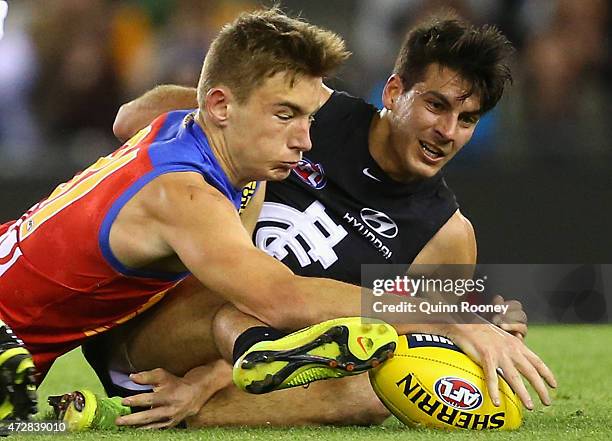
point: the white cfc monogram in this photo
(313, 226)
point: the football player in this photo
(114, 240)
(388, 163)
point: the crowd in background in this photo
(67, 65)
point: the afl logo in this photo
(310, 173)
(379, 222)
(458, 393)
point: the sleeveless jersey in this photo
(338, 209)
(59, 279)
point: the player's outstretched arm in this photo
(202, 227)
(493, 348)
(197, 223)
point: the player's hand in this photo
(174, 398)
(514, 320)
(493, 348)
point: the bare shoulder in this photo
(171, 204)
(181, 194)
(455, 242)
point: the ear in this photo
(393, 89)
(218, 100)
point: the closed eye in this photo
(435, 105)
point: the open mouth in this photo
(430, 152)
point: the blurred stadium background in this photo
(536, 179)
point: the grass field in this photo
(580, 356)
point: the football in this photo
(430, 383)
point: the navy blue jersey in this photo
(338, 209)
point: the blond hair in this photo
(259, 44)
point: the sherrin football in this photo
(430, 382)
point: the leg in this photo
(342, 402)
(193, 327)
(176, 334)
(179, 333)
(346, 401)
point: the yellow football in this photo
(430, 382)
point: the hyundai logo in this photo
(379, 222)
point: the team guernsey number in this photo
(63, 196)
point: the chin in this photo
(278, 174)
(421, 170)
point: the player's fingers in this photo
(149, 399)
(497, 300)
(517, 329)
(513, 378)
(489, 368)
(516, 315)
(532, 375)
(514, 305)
(160, 425)
(541, 367)
(154, 376)
(154, 415)
(497, 319)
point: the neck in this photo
(218, 145)
(380, 145)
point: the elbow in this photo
(121, 126)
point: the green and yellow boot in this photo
(17, 378)
(82, 410)
(332, 349)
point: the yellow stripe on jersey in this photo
(73, 190)
(152, 301)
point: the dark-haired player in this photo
(370, 191)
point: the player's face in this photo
(430, 123)
(271, 129)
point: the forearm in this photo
(313, 300)
(208, 379)
(138, 113)
(200, 376)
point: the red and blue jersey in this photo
(59, 279)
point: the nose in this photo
(445, 128)
(300, 138)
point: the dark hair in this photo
(262, 43)
(479, 54)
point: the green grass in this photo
(580, 356)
